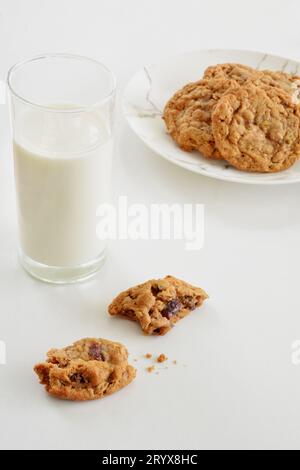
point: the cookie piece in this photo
(243, 74)
(257, 129)
(158, 304)
(89, 369)
(162, 358)
(187, 115)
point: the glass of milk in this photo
(62, 115)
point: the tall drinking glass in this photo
(62, 114)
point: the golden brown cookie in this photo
(257, 128)
(238, 72)
(289, 83)
(158, 304)
(89, 369)
(243, 74)
(187, 115)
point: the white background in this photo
(235, 385)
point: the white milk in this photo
(62, 169)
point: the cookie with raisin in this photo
(158, 304)
(87, 370)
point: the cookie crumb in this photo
(148, 356)
(162, 358)
(175, 362)
(150, 369)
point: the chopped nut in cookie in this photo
(158, 304)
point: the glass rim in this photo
(78, 109)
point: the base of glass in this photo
(62, 275)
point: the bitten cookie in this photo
(187, 115)
(88, 369)
(257, 128)
(158, 304)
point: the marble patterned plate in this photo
(150, 88)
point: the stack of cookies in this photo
(247, 117)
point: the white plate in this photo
(150, 88)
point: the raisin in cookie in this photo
(87, 370)
(187, 115)
(257, 128)
(158, 304)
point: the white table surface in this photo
(234, 385)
